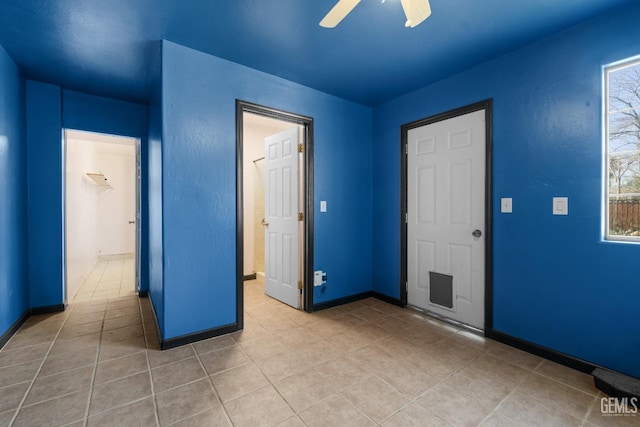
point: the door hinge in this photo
(300, 216)
(300, 148)
(406, 217)
(406, 148)
(300, 285)
(406, 287)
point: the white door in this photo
(446, 209)
(281, 217)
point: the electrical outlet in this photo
(506, 205)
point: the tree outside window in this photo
(623, 150)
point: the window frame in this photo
(607, 70)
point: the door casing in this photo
(307, 253)
(487, 106)
(138, 207)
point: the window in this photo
(622, 145)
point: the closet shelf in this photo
(99, 179)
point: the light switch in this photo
(323, 205)
(561, 206)
(506, 205)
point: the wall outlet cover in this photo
(506, 205)
(561, 206)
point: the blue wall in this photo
(49, 110)
(14, 295)
(556, 282)
(199, 189)
(154, 175)
(44, 169)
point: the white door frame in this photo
(307, 201)
(138, 205)
(488, 234)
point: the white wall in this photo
(97, 217)
(117, 206)
(256, 129)
(81, 215)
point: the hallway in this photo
(364, 363)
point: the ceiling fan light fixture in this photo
(416, 11)
(338, 13)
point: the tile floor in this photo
(108, 279)
(362, 364)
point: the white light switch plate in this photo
(561, 206)
(323, 205)
(506, 205)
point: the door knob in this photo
(132, 222)
(476, 233)
(265, 223)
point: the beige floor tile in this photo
(498, 420)
(292, 422)
(77, 380)
(71, 331)
(568, 376)
(159, 358)
(119, 392)
(213, 344)
(480, 387)
(185, 401)
(11, 396)
(552, 393)
(59, 411)
(121, 348)
(119, 368)
(499, 370)
(121, 322)
(515, 357)
(282, 365)
(23, 355)
(238, 381)
(335, 411)
(375, 398)
(414, 415)
(263, 348)
(522, 408)
(140, 413)
(176, 374)
(212, 417)
(286, 368)
(262, 407)
(223, 359)
(427, 363)
(342, 373)
(15, 374)
(6, 417)
(304, 390)
(73, 345)
(454, 408)
(407, 379)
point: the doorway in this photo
(101, 216)
(446, 215)
(274, 204)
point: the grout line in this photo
(93, 375)
(146, 352)
(33, 380)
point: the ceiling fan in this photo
(415, 10)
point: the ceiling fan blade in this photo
(338, 12)
(416, 11)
